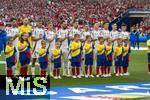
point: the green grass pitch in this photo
(137, 69)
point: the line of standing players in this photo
(78, 52)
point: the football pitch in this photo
(137, 83)
(137, 69)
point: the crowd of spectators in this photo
(56, 10)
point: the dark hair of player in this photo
(100, 38)
(123, 25)
(106, 23)
(10, 39)
(76, 35)
(88, 36)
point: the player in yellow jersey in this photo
(10, 51)
(88, 56)
(118, 58)
(148, 54)
(25, 28)
(109, 53)
(43, 59)
(57, 60)
(100, 57)
(75, 48)
(24, 54)
(125, 61)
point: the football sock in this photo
(120, 70)
(97, 70)
(58, 72)
(43, 73)
(54, 72)
(108, 70)
(148, 67)
(78, 70)
(86, 70)
(9, 72)
(73, 71)
(90, 70)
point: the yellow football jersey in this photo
(22, 45)
(9, 51)
(75, 48)
(56, 53)
(125, 50)
(26, 29)
(118, 51)
(88, 46)
(42, 51)
(148, 44)
(100, 49)
(108, 49)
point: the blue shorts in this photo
(88, 61)
(100, 62)
(10, 64)
(108, 63)
(75, 64)
(148, 55)
(43, 65)
(125, 63)
(118, 63)
(24, 58)
(76, 58)
(57, 65)
(10, 61)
